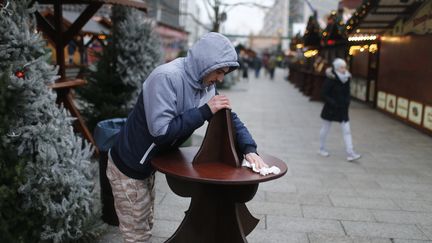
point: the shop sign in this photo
(427, 120)
(381, 101)
(415, 112)
(402, 107)
(391, 103)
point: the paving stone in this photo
(164, 228)
(173, 199)
(274, 208)
(328, 238)
(391, 216)
(386, 193)
(414, 205)
(337, 213)
(298, 198)
(411, 241)
(427, 229)
(302, 225)
(384, 230)
(269, 236)
(361, 202)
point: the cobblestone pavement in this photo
(384, 197)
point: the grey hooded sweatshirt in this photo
(172, 105)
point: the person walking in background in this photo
(336, 95)
(257, 66)
(272, 66)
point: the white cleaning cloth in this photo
(263, 171)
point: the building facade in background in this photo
(288, 17)
(167, 15)
(276, 21)
(195, 30)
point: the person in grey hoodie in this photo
(176, 99)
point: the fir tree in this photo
(17, 224)
(104, 96)
(56, 180)
(138, 47)
(114, 83)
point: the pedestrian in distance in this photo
(257, 66)
(272, 66)
(336, 95)
(176, 99)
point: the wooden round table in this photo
(217, 212)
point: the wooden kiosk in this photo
(219, 187)
(60, 37)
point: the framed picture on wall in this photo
(381, 101)
(427, 120)
(361, 89)
(372, 90)
(415, 112)
(353, 86)
(391, 103)
(402, 107)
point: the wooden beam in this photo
(67, 100)
(377, 21)
(374, 27)
(392, 6)
(59, 42)
(397, 14)
(68, 84)
(81, 21)
(45, 26)
(134, 4)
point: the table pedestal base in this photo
(217, 213)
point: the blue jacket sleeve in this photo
(245, 142)
(163, 121)
(184, 125)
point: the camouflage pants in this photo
(134, 204)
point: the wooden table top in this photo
(179, 164)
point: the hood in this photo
(211, 52)
(330, 73)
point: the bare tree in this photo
(216, 10)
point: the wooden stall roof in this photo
(61, 36)
(69, 17)
(379, 16)
(130, 3)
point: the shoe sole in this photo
(354, 159)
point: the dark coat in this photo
(336, 96)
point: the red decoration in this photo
(20, 74)
(331, 42)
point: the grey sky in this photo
(241, 19)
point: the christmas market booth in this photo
(390, 58)
(302, 71)
(333, 44)
(63, 28)
(60, 37)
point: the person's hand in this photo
(254, 158)
(218, 102)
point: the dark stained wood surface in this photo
(406, 67)
(68, 84)
(179, 164)
(217, 213)
(219, 141)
